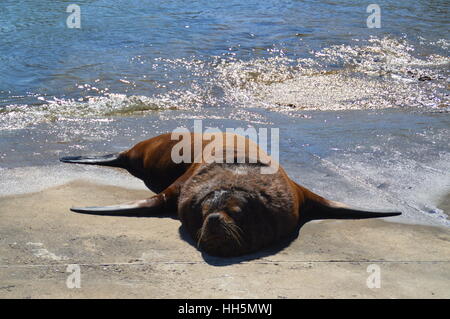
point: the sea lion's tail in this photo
(114, 160)
(317, 207)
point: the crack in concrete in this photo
(253, 262)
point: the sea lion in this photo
(229, 208)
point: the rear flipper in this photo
(155, 204)
(327, 209)
(317, 207)
(114, 160)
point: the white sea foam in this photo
(374, 74)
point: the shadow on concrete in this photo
(227, 261)
(214, 260)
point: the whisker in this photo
(233, 231)
(199, 236)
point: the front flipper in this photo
(166, 201)
(142, 207)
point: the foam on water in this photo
(373, 74)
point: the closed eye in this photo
(235, 210)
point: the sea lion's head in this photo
(232, 210)
(230, 223)
(233, 222)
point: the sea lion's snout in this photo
(220, 236)
(213, 225)
(215, 219)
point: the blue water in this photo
(364, 114)
(131, 40)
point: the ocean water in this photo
(363, 112)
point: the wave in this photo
(369, 74)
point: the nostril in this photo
(214, 217)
